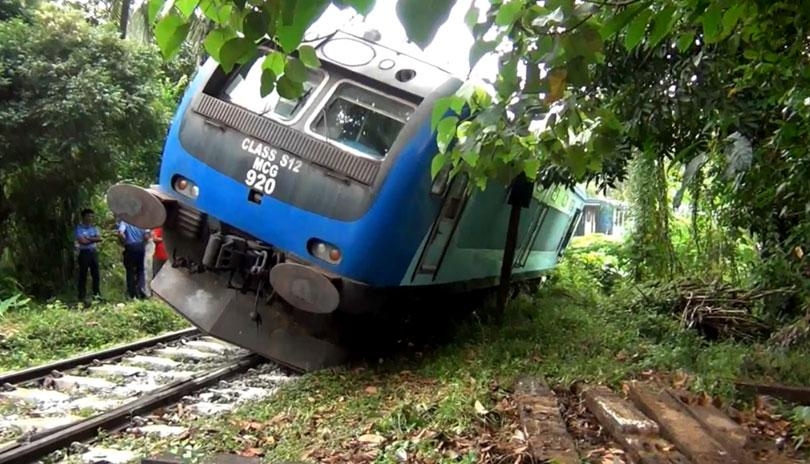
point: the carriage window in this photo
(360, 119)
(243, 89)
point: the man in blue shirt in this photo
(87, 236)
(134, 240)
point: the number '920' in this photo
(262, 175)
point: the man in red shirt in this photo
(160, 256)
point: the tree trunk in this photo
(122, 26)
(5, 215)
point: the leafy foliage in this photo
(76, 104)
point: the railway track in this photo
(49, 407)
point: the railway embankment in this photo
(462, 401)
(592, 349)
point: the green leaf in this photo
(422, 21)
(289, 89)
(437, 164)
(215, 11)
(479, 49)
(471, 18)
(595, 163)
(750, 54)
(297, 16)
(531, 167)
(731, 17)
(274, 61)
(604, 145)
(463, 129)
(508, 13)
(446, 131)
(457, 104)
(235, 51)
(470, 157)
(153, 8)
(307, 56)
(685, 41)
(295, 70)
(361, 6)
(186, 7)
(584, 41)
(619, 21)
(482, 98)
(440, 109)
(636, 29)
(576, 161)
(254, 26)
(663, 22)
(268, 82)
(170, 33)
(508, 77)
(215, 39)
(557, 16)
(577, 72)
(711, 22)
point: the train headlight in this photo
(324, 251)
(186, 187)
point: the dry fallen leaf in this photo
(251, 452)
(480, 409)
(680, 379)
(371, 438)
(278, 418)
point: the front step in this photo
(654, 425)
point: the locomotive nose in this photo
(136, 205)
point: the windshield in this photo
(361, 119)
(243, 89)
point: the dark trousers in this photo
(133, 264)
(156, 265)
(88, 259)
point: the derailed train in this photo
(283, 218)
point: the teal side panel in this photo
(475, 250)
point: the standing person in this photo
(148, 256)
(134, 240)
(161, 256)
(87, 236)
(155, 257)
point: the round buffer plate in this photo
(304, 288)
(136, 206)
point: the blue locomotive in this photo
(284, 217)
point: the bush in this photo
(591, 262)
(79, 107)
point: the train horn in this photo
(136, 206)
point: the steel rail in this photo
(121, 416)
(43, 370)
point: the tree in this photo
(717, 86)
(76, 104)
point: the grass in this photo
(38, 333)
